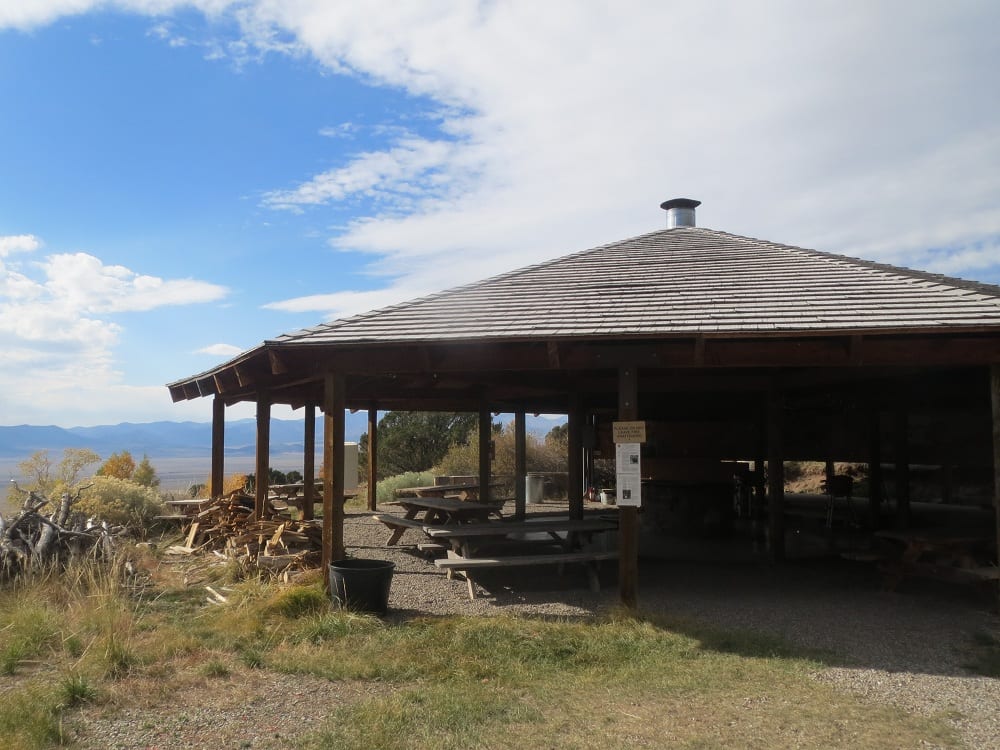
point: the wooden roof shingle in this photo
(681, 281)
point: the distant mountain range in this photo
(166, 439)
(181, 439)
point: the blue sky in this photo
(181, 180)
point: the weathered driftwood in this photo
(31, 540)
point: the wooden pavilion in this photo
(735, 348)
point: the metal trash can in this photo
(534, 488)
(361, 584)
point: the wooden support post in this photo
(775, 475)
(628, 517)
(902, 441)
(995, 400)
(333, 472)
(372, 457)
(263, 465)
(520, 463)
(309, 464)
(574, 483)
(874, 468)
(485, 441)
(218, 478)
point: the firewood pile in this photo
(275, 543)
(33, 539)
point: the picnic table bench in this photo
(566, 532)
(437, 511)
(455, 561)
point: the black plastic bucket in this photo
(361, 584)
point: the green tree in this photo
(119, 465)
(416, 440)
(145, 474)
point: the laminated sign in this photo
(628, 474)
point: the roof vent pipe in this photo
(680, 212)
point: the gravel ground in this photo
(906, 649)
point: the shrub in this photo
(119, 501)
(386, 488)
(548, 455)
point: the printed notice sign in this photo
(628, 432)
(628, 474)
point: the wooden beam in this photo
(874, 466)
(263, 464)
(333, 472)
(775, 474)
(485, 440)
(309, 464)
(995, 403)
(574, 483)
(218, 477)
(628, 517)
(243, 376)
(552, 347)
(278, 365)
(372, 457)
(520, 463)
(901, 438)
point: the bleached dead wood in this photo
(31, 540)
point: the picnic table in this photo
(947, 554)
(294, 494)
(435, 511)
(464, 491)
(568, 534)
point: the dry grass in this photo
(93, 638)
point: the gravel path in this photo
(906, 649)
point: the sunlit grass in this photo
(454, 682)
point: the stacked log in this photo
(32, 539)
(274, 543)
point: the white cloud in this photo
(414, 168)
(58, 333)
(18, 243)
(220, 350)
(865, 130)
(343, 130)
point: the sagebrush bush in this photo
(119, 501)
(385, 489)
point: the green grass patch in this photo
(433, 715)
(30, 718)
(444, 682)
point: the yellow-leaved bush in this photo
(119, 502)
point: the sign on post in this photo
(629, 437)
(629, 432)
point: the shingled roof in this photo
(688, 296)
(681, 281)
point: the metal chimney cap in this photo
(680, 212)
(679, 203)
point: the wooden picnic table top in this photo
(446, 504)
(436, 490)
(504, 528)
